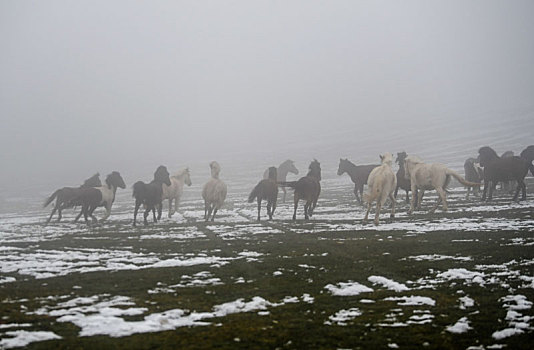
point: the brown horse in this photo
(528, 155)
(151, 194)
(307, 188)
(402, 182)
(66, 195)
(503, 169)
(358, 174)
(266, 189)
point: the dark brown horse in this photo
(266, 189)
(358, 174)
(151, 194)
(94, 197)
(402, 182)
(502, 169)
(307, 188)
(66, 195)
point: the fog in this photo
(122, 85)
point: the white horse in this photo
(435, 176)
(381, 186)
(213, 193)
(176, 189)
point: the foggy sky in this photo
(91, 86)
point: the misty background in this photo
(91, 86)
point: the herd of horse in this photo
(413, 176)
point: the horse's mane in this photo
(286, 163)
(486, 150)
(348, 161)
(180, 173)
(413, 159)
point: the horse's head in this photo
(272, 173)
(386, 158)
(528, 153)
(93, 181)
(315, 169)
(485, 155)
(400, 157)
(162, 175)
(292, 168)
(343, 166)
(215, 169)
(187, 177)
(115, 179)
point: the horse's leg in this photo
(269, 209)
(160, 209)
(306, 209)
(214, 212)
(367, 213)
(356, 193)
(59, 214)
(524, 190)
(145, 215)
(53, 212)
(259, 207)
(396, 191)
(412, 203)
(519, 187)
(393, 203)
(490, 194)
(284, 197)
(154, 214)
(443, 196)
(108, 212)
(377, 212)
(407, 197)
(296, 203)
(137, 205)
(419, 200)
(210, 210)
(90, 211)
(171, 211)
(485, 190)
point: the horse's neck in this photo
(351, 170)
(282, 173)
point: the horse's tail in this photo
(138, 188)
(51, 198)
(461, 179)
(255, 193)
(374, 190)
(291, 184)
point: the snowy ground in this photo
(464, 279)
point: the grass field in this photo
(448, 280)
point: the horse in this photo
(503, 169)
(151, 194)
(382, 183)
(358, 174)
(428, 177)
(213, 192)
(66, 195)
(266, 189)
(283, 169)
(176, 189)
(528, 155)
(307, 188)
(473, 173)
(402, 182)
(506, 185)
(91, 198)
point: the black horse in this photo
(307, 188)
(473, 173)
(66, 196)
(502, 169)
(92, 198)
(528, 155)
(266, 189)
(151, 194)
(358, 174)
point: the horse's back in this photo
(308, 187)
(504, 169)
